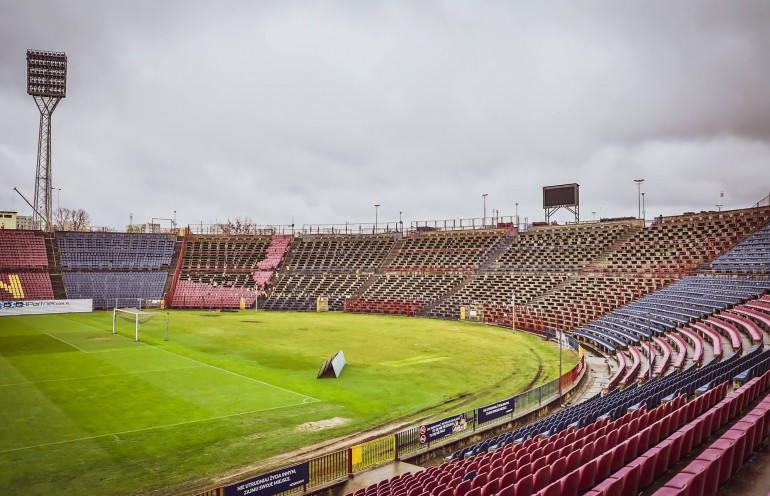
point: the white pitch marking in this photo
(148, 428)
(97, 376)
(66, 342)
(236, 374)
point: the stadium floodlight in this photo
(47, 84)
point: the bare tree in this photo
(239, 225)
(80, 219)
(65, 219)
(60, 218)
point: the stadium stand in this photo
(339, 253)
(460, 251)
(25, 286)
(560, 248)
(626, 440)
(24, 266)
(108, 267)
(22, 250)
(402, 294)
(219, 271)
(751, 255)
(105, 288)
(114, 251)
(300, 291)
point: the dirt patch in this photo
(322, 424)
(252, 321)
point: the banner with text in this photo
(443, 428)
(273, 483)
(495, 410)
(40, 307)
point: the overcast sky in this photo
(322, 109)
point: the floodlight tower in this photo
(47, 84)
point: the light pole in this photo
(376, 209)
(639, 191)
(644, 211)
(484, 219)
(400, 223)
(517, 215)
(558, 335)
(513, 311)
(593, 212)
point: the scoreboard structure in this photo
(565, 196)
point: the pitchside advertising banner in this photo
(40, 307)
(443, 428)
(495, 410)
(273, 483)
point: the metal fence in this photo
(339, 465)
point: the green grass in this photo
(83, 409)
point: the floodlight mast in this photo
(47, 84)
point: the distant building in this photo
(25, 222)
(7, 220)
(144, 228)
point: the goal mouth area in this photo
(134, 314)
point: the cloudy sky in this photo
(319, 110)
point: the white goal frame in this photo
(137, 314)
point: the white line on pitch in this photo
(144, 429)
(100, 375)
(229, 371)
(66, 342)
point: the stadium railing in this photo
(338, 465)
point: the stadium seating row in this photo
(22, 250)
(114, 251)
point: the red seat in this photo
(610, 487)
(586, 454)
(507, 479)
(479, 481)
(630, 477)
(541, 478)
(587, 476)
(553, 489)
(739, 438)
(654, 434)
(524, 486)
(675, 452)
(573, 461)
(709, 462)
(661, 463)
(646, 469)
(490, 488)
(725, 450)
(558, 469)
(604, 466)
(524, 471)
(506, 491)
(538, 464)
(643, 440)
(688, 435)
(462, 488)
(569, 484)
(631, 449)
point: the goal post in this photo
(137, 317)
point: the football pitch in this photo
(84, 410)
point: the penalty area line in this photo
(145, 429)
(233, 373)
(152, 371)
(66, 342)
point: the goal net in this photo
(134, 315)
